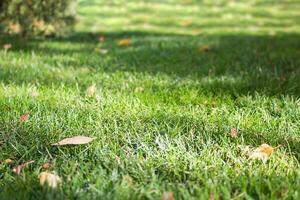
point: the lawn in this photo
(165, 101)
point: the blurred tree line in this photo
(29, 18)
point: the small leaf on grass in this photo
(211, 196)
(263, 152)
(50, 179)
(74, 141)
(101, 38)
(139, 89)
(34, 93)
(233, 132)
(46, 166)
(7, 46)
(167, 196)
(101, 51)
(204, 48)
(90, 91)
(8, 161)
(19, 168)
(127, 180)
(118, 159)
(24, 117)
(124, 42)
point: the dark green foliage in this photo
(37, 17)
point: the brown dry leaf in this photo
(46, 166)
(233, 132)
(204, 48)
(127, 180)
(19, 168)
(101, 38)
(139, 89)
(50, 179)
(74, 141)
(24, 117)
(211, 196)
(91, 90)
(8, 161)
(7, 46)
(282, 192)
(101, 51)
(124, 42)
(167, 196)
(34, 94)
(118, 159)
(263, 152)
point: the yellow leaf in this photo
(124, 42)
(204, 48)
(263, 152)
(74, 141)
(8, 161)
(50, 179)
(167, 196)
(139, 89)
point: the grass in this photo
(174, 135)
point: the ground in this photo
(163, 106)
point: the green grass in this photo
(174, 136)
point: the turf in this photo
(202, 68)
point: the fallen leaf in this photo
(282, 192)
(263, 152)
(91, 90)
(34, 94)
(211, 196)
(8, 161)
(101, 38)
(74, 141)
(127, 180)
(124, 42)
(139, 89)
(204, 48)
(282, 77)
(167, 196)
(233, 132)
(7, 46)
(50, 179)
(185, 23)
(101, 51)
(19, 168)
(118, 159)
(24, 117)
(46, 166)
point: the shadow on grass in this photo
(232, 64)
